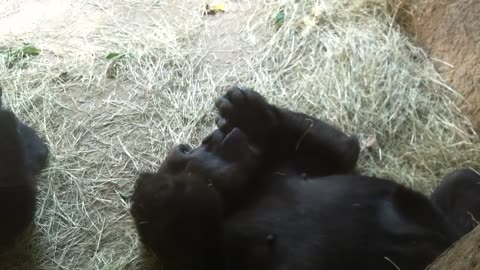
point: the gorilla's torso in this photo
(343, 221)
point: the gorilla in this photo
(23, 154)
(276, 189)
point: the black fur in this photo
(22, 155)
(458, 198)
(276, 189)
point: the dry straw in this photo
(346, 62)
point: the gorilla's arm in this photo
(312, 145)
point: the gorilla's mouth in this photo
(232, 143)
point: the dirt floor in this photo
(72, 25)
(107, 120)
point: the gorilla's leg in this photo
(309, 144)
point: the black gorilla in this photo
(23, 154)
(276, 189)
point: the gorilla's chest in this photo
(289, 222)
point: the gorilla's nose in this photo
(184, 148)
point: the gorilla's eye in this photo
(184, 149)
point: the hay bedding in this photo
(342, 60)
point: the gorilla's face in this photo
(224, 161)
(196, 180)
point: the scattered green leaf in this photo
(14, 55)
(30, 50)
(115, 56)
(280, 18)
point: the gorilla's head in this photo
(196, 184)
